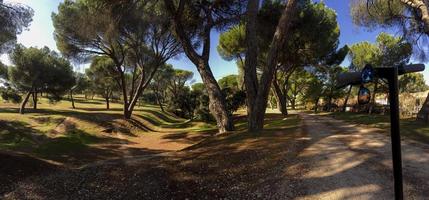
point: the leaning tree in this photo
(134, 34)
(257, 90)
(39, 71)
(193, 22)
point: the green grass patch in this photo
(409, 127)
(276, 127)
(73, 142)
(282, 123)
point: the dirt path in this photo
(344, 161)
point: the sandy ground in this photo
(344, 161)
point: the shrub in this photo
(10, 95)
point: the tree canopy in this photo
(101, 78)
(14, 18)
(134, 34)
(411, 17)
(388, 51)
(40, 70)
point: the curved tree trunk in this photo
(24, 102)
(217, 104)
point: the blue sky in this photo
(40, 34)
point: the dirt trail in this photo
(345, 161)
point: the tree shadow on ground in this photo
(85, 101)
(111, 122)
(240, 165)
(74, 147)
(352, 163)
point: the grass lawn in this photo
(96, 149)
(60, 133)
(409, 127)
(90, 132)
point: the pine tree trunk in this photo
(24, 102)
(217, 104)
(258, 105)
(281, 98)
(250, 76)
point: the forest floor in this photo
(90, 153)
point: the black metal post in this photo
(392, 76)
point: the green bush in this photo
(10, 95)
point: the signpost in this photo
(391, 75)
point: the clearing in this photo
(160, 156)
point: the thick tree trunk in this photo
(347, 98)
(250, 76)
(280, 97)
(217, 104)
(24, 102)
(72, 99)
(258, 105)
